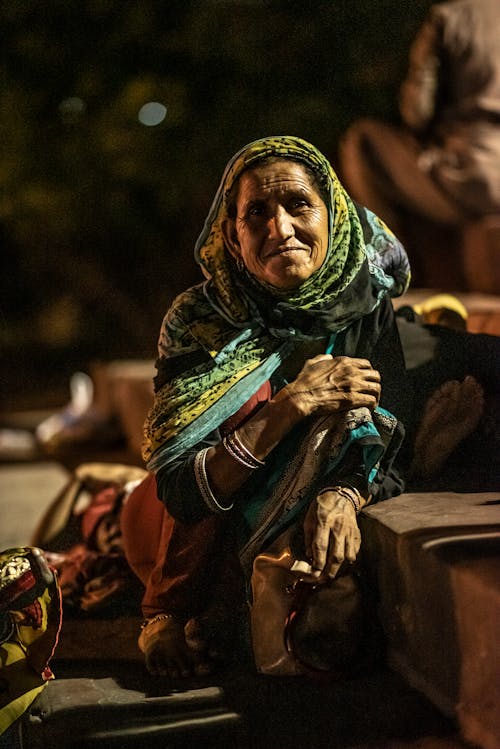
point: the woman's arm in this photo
(324, 385)
(331, 531)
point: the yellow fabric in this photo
(165, 403)
(30, 621)
(441, 301)
(20, 684)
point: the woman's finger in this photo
(333, 569)
(319, 546)
(336, 552)
(353, 543)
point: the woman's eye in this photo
(298, 203)
(256, 210)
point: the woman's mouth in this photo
(286, 250)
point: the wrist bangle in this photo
(350, 493)
(230, 449)
(201, 477)
(352, 499)
(237, 450)
(355, 496)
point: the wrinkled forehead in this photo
(256, 168)
(277, 148)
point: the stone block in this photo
(435, 560)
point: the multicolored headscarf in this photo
(221, 340)
(30, 621)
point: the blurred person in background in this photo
(441, 167)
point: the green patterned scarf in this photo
(221, 340)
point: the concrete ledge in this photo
(435, 559)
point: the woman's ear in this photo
(231, 237)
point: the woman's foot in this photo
(451, 414)
(173, 648)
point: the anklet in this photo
(157, 618)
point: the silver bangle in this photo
(237, 450)
(347, 492)
(352, 498)
(201, 477)
(226, 443)
(236, 441)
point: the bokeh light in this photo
(152, 113)
(72, 109)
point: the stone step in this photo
(435, 559)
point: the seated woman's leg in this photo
(176, 564)
(141, 524)
(193, 580)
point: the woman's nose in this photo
(280, 224)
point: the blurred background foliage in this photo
(99, 212)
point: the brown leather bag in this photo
(300, 625)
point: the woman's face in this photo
(280, 232)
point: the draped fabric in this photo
(323, 447)
(221, 340)
(30, 621)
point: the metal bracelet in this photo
(353, 495)
(238, 445)
(201, 477)
(347, 492)
(226, 443)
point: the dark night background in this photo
(99, 212)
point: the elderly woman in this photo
(279, 395)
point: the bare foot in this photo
(174, 649)
(451, 414)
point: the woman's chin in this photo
(288, 275)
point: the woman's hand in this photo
(328, 384)
(331, 533)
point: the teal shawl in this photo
(221, 340)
